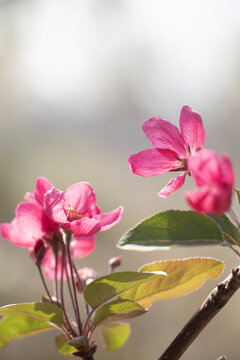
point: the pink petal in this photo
(173, 185)
(164, 135)
(210, 200)
(82, 246)
(85, 226)
(81, 197)
(208, 168)
(27, 227)
(29, 197)
(152, 162)
(192, 129)
(13, 233)
(42, 186)
(108, 220)
(227, 170)
(53, 205)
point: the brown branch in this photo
(210, 307)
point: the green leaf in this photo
(78, 341)
(238, 195)
(117, 310)
(115, 334)
(172, 227)
(107, 287)
(43, 311)
(62, 345)
(183, 277)
(226, 226)
(16, 326)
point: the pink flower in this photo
(77, 211)
(214, 177)
(172, 148)
(31, 227)
(30, 223)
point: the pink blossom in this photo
(214, 177)
(77, 212)
(171, 148)
(31, 224)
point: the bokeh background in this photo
(77, 80)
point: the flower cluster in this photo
(182, 151)
(42, 220)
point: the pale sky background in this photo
(77, 80)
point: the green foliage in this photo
(115, 334)
(16, 326)
(42, 311)
(238, 195)
(226, 226)
(107, 287)
(117, 310)
(183, 277)
(78, 341)
(174, 227)
(62, 345)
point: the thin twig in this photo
(73, 286)
(81, 286)
(62, 295)
(56, 275)
(231, 238)
(210, 307)
(44, 282)
(232, 248)
(70, 290)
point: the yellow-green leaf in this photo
(17, 326)
(43, 311)
(62, 345)
(115, 334)
(117, 310)
(107, 287)
(183, 277)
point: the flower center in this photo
(73, 214)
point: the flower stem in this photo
(81, 285)
(68, 239)
(44, 282)
(71, 330)
(70, 292)
(56, 275)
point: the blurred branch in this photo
(210, 307)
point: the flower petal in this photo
(210, 200)
(208, 168)
(164, 135)
(81, 197)
(152, 162)
(27, 227)
(82, 246)
(29, 197)
(173, 185)
(42, 186)
(53, 205)
(109, 219)
(192, 129)
(85, 226)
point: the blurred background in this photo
(77, 80)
